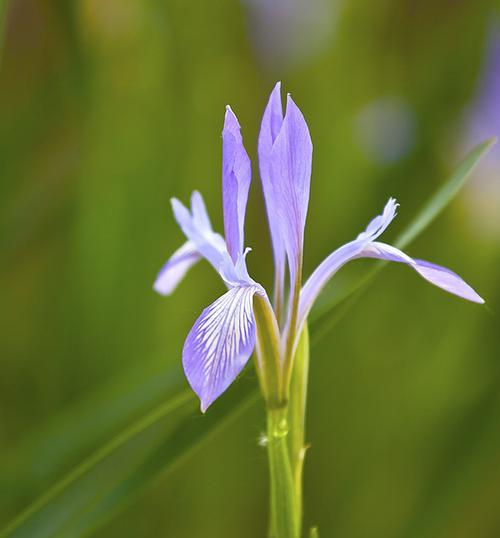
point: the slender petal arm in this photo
(332, 263)
(176, 267)
(365, 246)
(322, 275)
(220, 343)
(236, 177)
(435, 274)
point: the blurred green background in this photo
(108, 109)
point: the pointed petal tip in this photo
(276, 92)
(447, 280)
(231, 122)
(295, 118)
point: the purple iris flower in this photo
(224, 336)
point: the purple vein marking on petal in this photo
(236, 177)
(176, 267)
(220, 344)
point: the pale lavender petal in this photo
(182, 216)
(176, 267)
(201, 219)
(196, 227)
(290, 168)
(220, 343)
(272, 121)
(439, 276)
(378, 225)
(322, 274)
(332, 263)
(236, 177)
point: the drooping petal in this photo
(176, 267)
(272, 121)
(290, 169)
(332, 263)
(236, 177)
(220, 343)
(435, 274)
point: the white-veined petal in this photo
(220, 343)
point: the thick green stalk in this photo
(284, 521)
(286, 449)
(267, 360)
(291, 330)
(297, 416)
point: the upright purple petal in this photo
(435, 274)
(272, 121)
(290, 169)
(332, 263)
(176, 267)
(220, 343)
(236, 176)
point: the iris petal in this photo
(220, 344)
(364, 246)
(196, 227)
(290, 168)
(176, 267)
(332, 263)
(435, 274)
(272, 121)
(236, 177)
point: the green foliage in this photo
(169, 433)
(109, 109)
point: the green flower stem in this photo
(297, 416)
(286, 449)
(284, 518)
(267, 359)
(291, 331)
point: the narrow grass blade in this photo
(117, 472)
